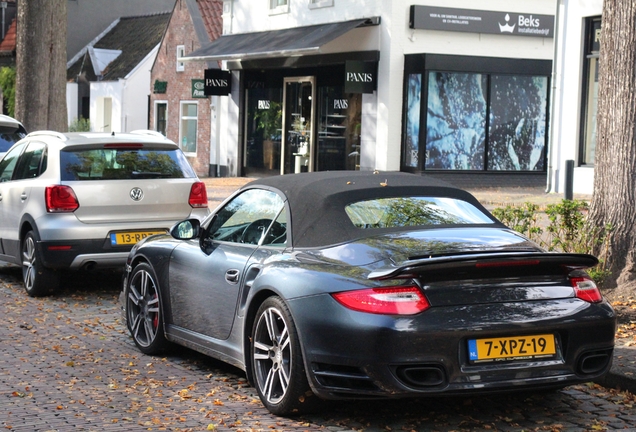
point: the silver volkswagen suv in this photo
(71, 201)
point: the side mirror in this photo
(186, 230)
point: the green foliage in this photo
(566, 229)
(521, 219)
(269, 120)
(80, 125)
(7, 84)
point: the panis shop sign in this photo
(360, 77)
(217, 82)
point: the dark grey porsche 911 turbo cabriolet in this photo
(337, 285)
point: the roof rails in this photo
(148, 132)
(57, 135)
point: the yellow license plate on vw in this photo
(130, 238)
(511, 348)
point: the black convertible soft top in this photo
(317, 200)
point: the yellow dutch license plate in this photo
(511, 348)
(130, 238)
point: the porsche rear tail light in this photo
(60, 199)
(407, 300)
(586, 289)
(198, 195)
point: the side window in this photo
(315, 4)
(180, 54)
(7, 165)
(161, 117)
(278, 7)
(31, 161)
(188, 127)
(253, 217)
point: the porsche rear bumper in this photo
(351, 354)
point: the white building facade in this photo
(455, 89)
(576, 92)
(121, 105)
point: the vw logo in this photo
(136, 194)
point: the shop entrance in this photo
(298, 124)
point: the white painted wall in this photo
(129, 99)
(99, 91)
(393, 39)
(568, 100)
(71, 101)
(135, 91)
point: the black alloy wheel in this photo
(277, 362)
(144, 315)
(38, 280)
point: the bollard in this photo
(569, 179)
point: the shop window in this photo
(591, 105)
(263, 130)
(456, 121)
(487, 121)
(412, 122)
(590, 91)
(161, 117)
(339, 119)
(278, 6)
(180, 54)
(518, 112)
(188, 127)
(315, 4)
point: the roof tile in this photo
(212, 14)
(134, 36)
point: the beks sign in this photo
(360, 77)
(217, 82)
(481, 21)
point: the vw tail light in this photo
(198, 195)
(60, 199)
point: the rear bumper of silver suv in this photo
(82, 254)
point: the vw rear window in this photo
(414, 211)
(124, 164)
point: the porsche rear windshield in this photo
(123, 164)
(414, 211)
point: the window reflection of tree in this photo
(409, 212)
(94, 164)
(400, 212)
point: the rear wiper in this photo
(148, 174)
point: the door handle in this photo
(23, 196)
(232, 276)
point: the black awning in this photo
(276, 43)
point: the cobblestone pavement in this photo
(68, 364)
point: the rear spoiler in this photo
(455, 263)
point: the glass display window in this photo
(340, 117)
(263, 130)
(464, 113)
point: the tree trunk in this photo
(614, 201)
(41, 65)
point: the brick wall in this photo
(181, 32)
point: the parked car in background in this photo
(349, 284)
(71, 201)
(11, 131)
